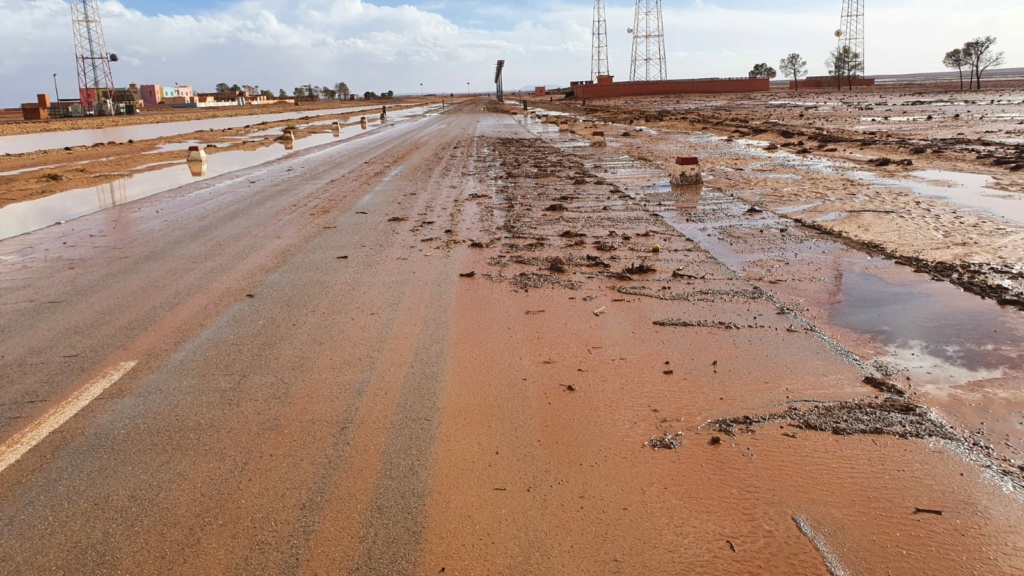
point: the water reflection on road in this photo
(23, 217)
(52, 140)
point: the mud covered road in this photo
(449, 346)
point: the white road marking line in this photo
(16, 446)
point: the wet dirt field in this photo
(475, 344)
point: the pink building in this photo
(151, 94)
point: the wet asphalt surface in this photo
(318, 390)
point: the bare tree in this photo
(981, 57)
(957, 59)
(795, 67)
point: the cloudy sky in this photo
(382, 45)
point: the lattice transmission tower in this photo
(599, 46)
(851, 28)
(648, 61)
(95, 82)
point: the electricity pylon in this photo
(851, 29)
(599, 47)
(95, 82)
(648, 61)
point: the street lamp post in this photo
(60, 110)
(467, 88)
(421, 89)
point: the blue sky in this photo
(384, 45)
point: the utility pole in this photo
(648, 61)
(60, 110)
(599, 45)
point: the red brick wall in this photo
(829, 82)
(709, 86)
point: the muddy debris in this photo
(677, 323)
(889, 416)
(468, 275)
(666, 441)
(883, 385)
(558, 265)
(639, 269)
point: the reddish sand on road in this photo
(449, 346)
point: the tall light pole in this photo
(467, 88)
(421, 89)
(60, 110)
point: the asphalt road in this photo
(291, 370)
(270, 322)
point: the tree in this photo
(222, 87)
(329, 93)
(390, 94)
(267, 94)
(281, 94)
(369, 95)
(957, 59)
(342, 90)
(235, 88)
(844, 62)
(763, 70)
(299, 91)
(979, 54)
(795, 67)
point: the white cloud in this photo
(283, 44)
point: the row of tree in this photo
(339, 91)
(842, 63)
(976, 57)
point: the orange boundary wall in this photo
(830, 82)
(703, 86)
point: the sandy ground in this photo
(888, 132)
(451, 347)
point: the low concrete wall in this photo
(702, 86)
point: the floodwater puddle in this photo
(968, 190)
(960, 188)
(22, 217)
(961, 353)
